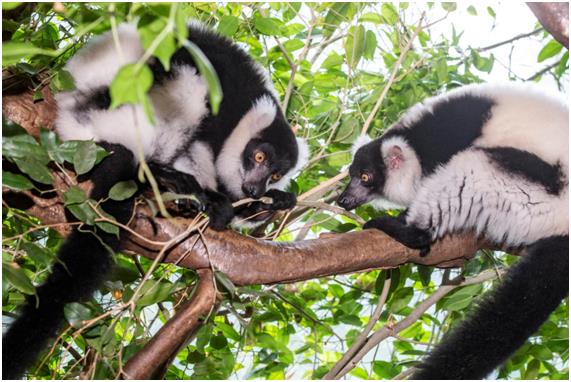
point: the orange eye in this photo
(365, 178)
(259, 157)
(275, 177)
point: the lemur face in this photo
(264, 165)
(368, 175)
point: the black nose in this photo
(346, 202)
(252, 190)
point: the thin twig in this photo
(362, 338)
(390, 330)
(392, 77)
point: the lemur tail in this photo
(83, 261)
(506, 318)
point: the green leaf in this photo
(130, 85)
(36, 169)
(491, 12)
(225, 282)
(24, 147)
(74, 195)
(150, 27)
(400, 299)
(472, 11)
(541, 352)
(532, 370)
(442, 71)
(359, 372)
(389, 13)
(123, 190)
(424, 274)
(16, 181)
(448, 7)
(83, 212)
(268, 26)
(17, 277)
(10, 5)
(549, 50)
(228, 331)
(63, 80)
(481, 63)
(355, 45)
(370, 45)
(339, 12)
(461, 298)
(38, 254)
(293, 45)
(154, 291)
(218, 342)
(107, 226)
(207, 71)
(84, 157)
(371, 17)
(76, 313)
(228, 25)
(13, 52)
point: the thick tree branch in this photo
(152, 361)
(555, 19)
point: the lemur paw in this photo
(219, 209)
(409, 235)
(281, 200)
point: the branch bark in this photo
(555, 19)
(152, 361)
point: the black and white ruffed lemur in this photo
(246, 150)
(492, 159)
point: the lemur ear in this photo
(394, 158)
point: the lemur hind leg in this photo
(215, 204)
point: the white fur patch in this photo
(127, 125)
(302, 158)
(180, 105)
(470, 192)
(229, 161)
(199, 162)
(401, 184)
(361, 141)
(526, 118)
(98, 62)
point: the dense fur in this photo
(189, 150)
(488, 159)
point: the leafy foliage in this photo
(330, 63)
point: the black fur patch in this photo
(98, 99)
(529, 166)
(452, 126)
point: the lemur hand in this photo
(409, 235)
(218, 208)
(281, 200)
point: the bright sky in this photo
(512, 19)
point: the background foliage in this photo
(329, 62)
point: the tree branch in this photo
(152, 361)
(555, 19)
